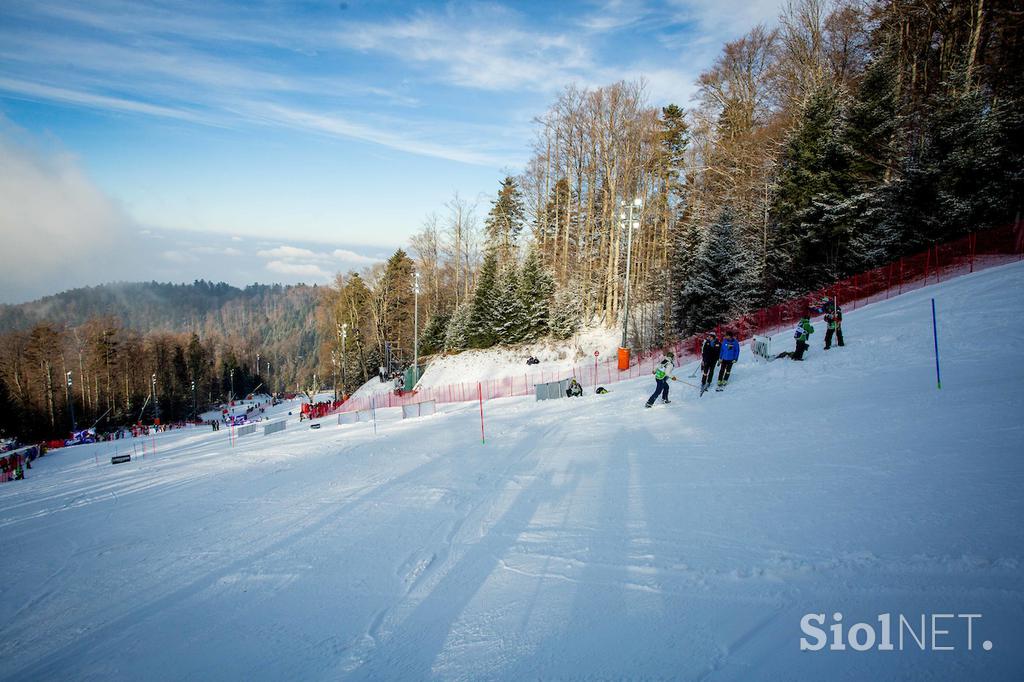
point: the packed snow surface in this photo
(588, 538)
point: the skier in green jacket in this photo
(803, 330)
(662, 373)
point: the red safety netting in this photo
(940, 262)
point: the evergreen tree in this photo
(505, 220)
(536, 290)
(394, 297)
(685, 247)
(483, 315)
(509, 323)
(814, 175)
(457, 336)
(872, 122)
(567, 310)
(964, 171)
(432, 339)
(709, 295)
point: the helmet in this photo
(670, 354)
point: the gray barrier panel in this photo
(273, 428)
(552, 390)
(246, 430)
(348, 417)
(427, 407)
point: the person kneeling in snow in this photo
(802, 332)
(574, 390)
(662, 373)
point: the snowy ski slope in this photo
(588, 538)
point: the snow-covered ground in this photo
(556, 357)
(587, 538)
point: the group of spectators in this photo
(15, 460)
(396, 377)
(318, 410)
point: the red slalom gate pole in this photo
(480, 395)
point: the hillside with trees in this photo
(847, 136)
(195, 344)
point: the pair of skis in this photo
(705, 387)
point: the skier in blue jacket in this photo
(729, 354)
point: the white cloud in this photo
(311, 270)
(286, 252)
(353, 257)
(56, 226)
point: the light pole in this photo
(71, 403)
(343, 332)
(257, 364)
(156, 403)
(631, 225)
(416, 330)
(231, 392)
(194, 412)
(334, 366)
(268, 379)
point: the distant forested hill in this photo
(262, 311)
(272, 323)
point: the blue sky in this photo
(139, 135)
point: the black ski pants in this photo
(725, 370)
(707, 372)
(828, 337)
(801, 347)
(661, 389)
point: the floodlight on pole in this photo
(631, 223)
(343, 333)
(416, 330)
(69, 394)
(156, 403)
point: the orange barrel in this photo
(623, 359)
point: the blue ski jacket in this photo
(730, 350)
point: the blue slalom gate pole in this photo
(935, 333)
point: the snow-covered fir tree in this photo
(710, 292)
(482, 314)
(457, 334)
(536, 290)
(508, 318)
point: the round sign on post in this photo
(596, 353)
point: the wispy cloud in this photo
(481, 46)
